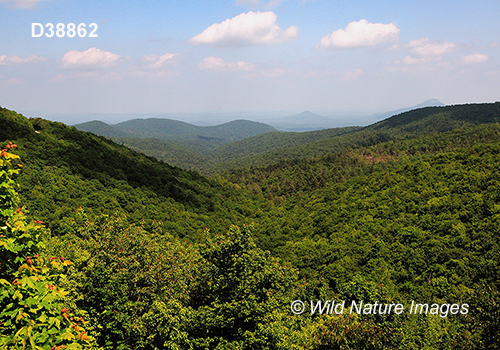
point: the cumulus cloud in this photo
(474, 58)
(426, 47)
(360, 34)
(251, 28)
(22, 4)
(423, 52)
(8, 60)
(217, 63)
(91, 58)
(155, 61)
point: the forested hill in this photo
(163, 128)
(79, 169)
(203, 155)
(102, 129)
(409, 124)
(435, 119)
(214, 153)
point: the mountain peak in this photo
(427, 103)
(433, 102)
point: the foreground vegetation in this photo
(147, 256)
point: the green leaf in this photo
(29, 281)
(42, 318)
(68, 335)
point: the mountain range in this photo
(213, 155)
(168, 128)
(163, 128)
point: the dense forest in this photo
(166, 129)
(106, 248)
(213, 155)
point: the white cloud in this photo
(360, 34)
(92, 58)
(8, 60)
(217, 63)
(474, 58)
(251, 28)
(155, 61)
(426, 47)
(22, 4)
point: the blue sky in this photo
(335, 58)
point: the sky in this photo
(335, 58)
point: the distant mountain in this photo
(428, 103)
(163, 128)
(211, 152)
(404, 125)
(305, 121)
(102, 129)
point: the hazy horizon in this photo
(338, 59)
(211, 119)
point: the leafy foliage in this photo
(67, 169)
(164, 128)
(238, 285)
(32, 313)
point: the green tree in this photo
(33, 314)
(238, 287)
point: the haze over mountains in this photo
(286, 121)
(210, 150)
(428, 103)
(171, 128)
(309, 121)
(305, 121)
(175, 129)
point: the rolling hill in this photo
(163, 128)
(102, 129)
(200, 155)
(404, 125)
(79, 169)
(215, 155)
